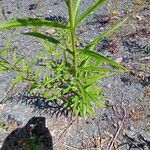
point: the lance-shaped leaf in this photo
(102, 58)
(98, 69)
(96, 102)
(84, 62)
(30, 22)
(77, 8)
(42, 36)
(6, 48)
(91, 79)
(18, 60)
(89, 97)
(89, 10)
(84, 99)
(105, 34)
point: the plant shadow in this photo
(41, 104)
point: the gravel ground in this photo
(127, 95)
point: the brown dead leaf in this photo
(136, 115)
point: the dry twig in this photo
(63, 133)
(7, 92)
(120, 124)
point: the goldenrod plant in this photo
(63, 70)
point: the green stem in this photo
(74, 51)
(72, 32)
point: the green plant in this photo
(3, 126)
(64, 71)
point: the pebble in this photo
(33, 6)
(119, 60)
(2, 106)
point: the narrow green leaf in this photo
(83, 94)
(25, 22)
(89, 10)
(75, 105)
(3, 61)
(93, 78)
(19, 59)
(23, 65)
(83, 63)
(7, 46)
(105, 34)
(90, 110)
(86, 94)
(102, 58)
(4, 66)
(15, 58)
(77, 8)
(17, 79)
(66, 90)
(98, 69)
(42, 36)
(96, 102)
(47, 46)
(69, 51)
(94, 91)
(45, 37)
(31, 62)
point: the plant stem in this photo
(72, 32)
(74, 51)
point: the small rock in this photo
(146, 81)
(131, 128)
(55, 3)
(119, 60)
(126, 81)
(104, 117)
(2, 106)
(9, 12)
(140, 18)
(33, 6)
